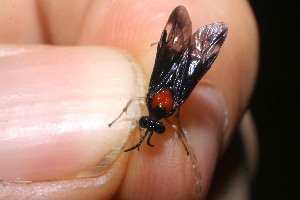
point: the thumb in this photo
(56, 103)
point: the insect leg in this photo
(182, 136)
(126, 108)
(154, 43)
(148, 140)
(179, 131)
(139, 143)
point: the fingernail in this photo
(56, 104)
(205, 121)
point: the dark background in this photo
(275, 103)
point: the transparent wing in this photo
(203, 49)
(173, 42)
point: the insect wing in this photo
(173, 42)
(203, 49)
(177, 30)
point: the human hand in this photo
(56, 101)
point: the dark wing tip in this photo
(178, 29)
(179, 9)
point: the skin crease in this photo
(133, 27)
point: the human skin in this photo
(69, 28)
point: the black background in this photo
(275, 103)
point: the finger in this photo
(225, 90)
(56, 104)
(211, 113)
(41, 21)
(21, 22)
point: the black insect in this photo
(181, 61)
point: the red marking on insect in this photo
(163, 100)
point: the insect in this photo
(182, 59)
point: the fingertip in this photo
(56, 105)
